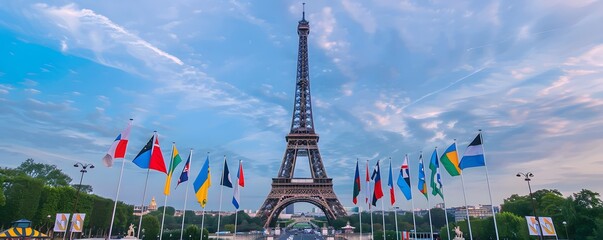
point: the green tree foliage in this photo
(151, 226)
(192, 232)
(22, 199)
(168, 210)
(49, 174)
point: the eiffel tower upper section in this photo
(303, 122)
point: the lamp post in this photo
(565, 226)
(83, 170)
(528, 177)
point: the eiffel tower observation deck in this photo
(302, 141)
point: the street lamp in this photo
(565, 225)
(527, 177)
(83, 170)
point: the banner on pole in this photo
(60, 222)
(533, 227)
(546, 224)
(77, 223)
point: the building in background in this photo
(142, 210)
(290, 209)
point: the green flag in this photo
(450, 160)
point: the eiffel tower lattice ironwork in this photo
(302, 140)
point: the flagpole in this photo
(369, 204)
(390, 178)
(360, 220)
(488, 181)
(396, 217)
(221, 190)
(186, 195)
(445, 213)
(464, 197)
(144, 195)
(412, 201)
(383, 216)
(121, 173)
(166, 196)
(442, 195)
(235, 225)
(202, 223)
(429, 211)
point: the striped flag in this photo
(377, 191)
(240, 183)
(119, 146)
(474, 154)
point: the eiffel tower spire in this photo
(302, 141)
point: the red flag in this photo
(368, 184)
(156, 161)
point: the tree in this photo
(168, 211)
(49, 174)
(22, 199)
(150, 224)
(192, 232)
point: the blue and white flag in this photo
(240, 183)
(474, 154)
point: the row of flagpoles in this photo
(151, 157)
(473, 157)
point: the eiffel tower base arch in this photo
(285, 192)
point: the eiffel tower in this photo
(302, 141)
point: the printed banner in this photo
(548, 229)
(60, 222)
(533, 227)
(77, 223)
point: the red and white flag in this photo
(119, 146)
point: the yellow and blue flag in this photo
(202, 183)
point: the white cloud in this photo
(361, 15)
(31, 91)
(95, 31)
(64, 46)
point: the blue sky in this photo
(388, 78)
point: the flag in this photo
(150, 156)
(184, 174)
(368, 184)
(119, 146)
(236, 196)
(450, 160)
(202, 183)
(225, 181)
(390, 184)
(376, 177)
(356, 185)
(422, 185)
(175, 160)
(436, 181)
(404, 179)
(474, 154)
